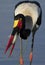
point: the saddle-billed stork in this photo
(27, 20)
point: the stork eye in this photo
(20, 18)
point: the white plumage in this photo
(29, 9)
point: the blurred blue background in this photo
(6, 22)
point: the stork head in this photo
(19, 21)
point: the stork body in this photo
(31, 11)
(27, 19)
